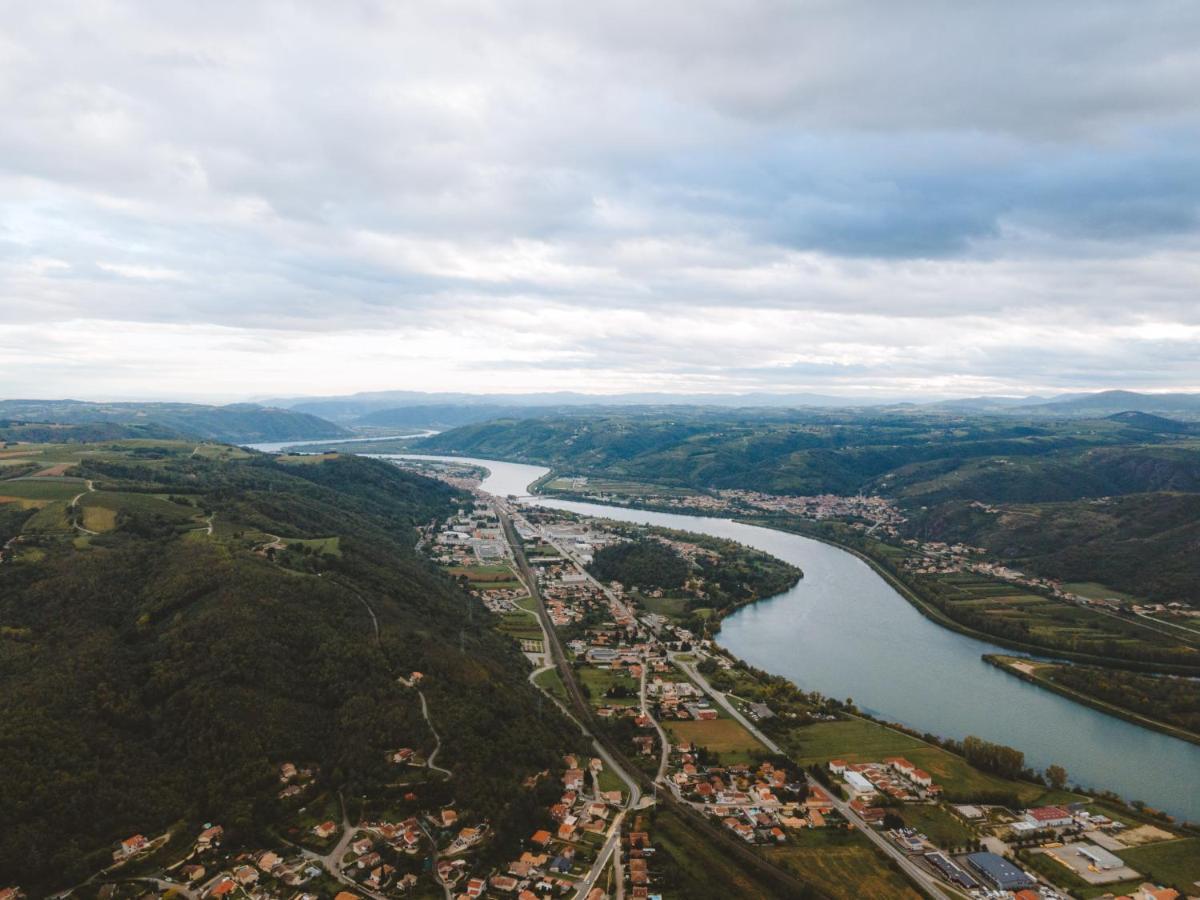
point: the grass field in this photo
(597, 681)
(114, 502)
(671, 607)
(43, 488)
(724, 736)
(843, 865)
(329, 545)
(551, 682)
(99, 518)
(1176, 863)
(937, 824)
(50, 519)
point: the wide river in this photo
(843, 631)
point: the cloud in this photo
(760, 194)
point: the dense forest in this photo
(1172, 700)
(717, 582)
(645, 563)
(154, 676)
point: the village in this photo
(651, 683)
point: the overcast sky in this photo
(225, 200)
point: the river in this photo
(843, 631)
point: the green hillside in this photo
(156, 674)
(238, 422)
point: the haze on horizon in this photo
(225, 201)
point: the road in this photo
(924, 879)
(734, 848)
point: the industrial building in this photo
(999, 872)
(858, 784)
(951, 871)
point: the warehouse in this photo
(858, 784)
(999, 872)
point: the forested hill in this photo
(153, 675)
(920, 458)
(238, 422)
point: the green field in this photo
(1005, 610)
(42, 488)
(329, 545)
(940, 826)
(1176, 863)
(724, 736)
(598, 681)
(551, 682)
(671, 607)
(842, 864)
(114, 503)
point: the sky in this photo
(226, 200)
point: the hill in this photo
(220, 620)
(238, 423)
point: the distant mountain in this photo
(353, 408)
(1157, 424)
(52, 433)
(238, 422)
(1105, 403)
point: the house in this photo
(449, 817)
(209, 836)
(325, 830)
(361, 846)
(540, 837)
(573, 779)
(837, 766)
(132, 845)
(225, 887)
(921, 777)
(505, 883)
(287, 772)
(475, 887)
(245, 874)
(1150, 892)
(268, 861)
(193, 872)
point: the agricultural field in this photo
(1007, 611)
(486, 577)
(103, 507)
(842, 864)
(1095, 591)
(724, 736)
(46, 489)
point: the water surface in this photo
(844, 631)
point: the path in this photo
(75, 504)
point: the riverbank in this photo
(1029, 671)
(931, 612)
(847, 630)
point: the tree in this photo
(1057, 776)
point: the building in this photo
(951, 871)
(1049, 817)
(999, 872)
(1099, 857)
(857, 783)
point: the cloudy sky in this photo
(227, 200)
